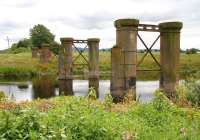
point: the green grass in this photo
(23, 66)
(78, 118)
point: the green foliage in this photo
(40, 34)
(26, 124)
(17, 73)
(160, 102)
(54, 47)
(16, 50)
(70, 118)
(2, 96)
(193, 91)
(192, 51)
(23, 66)
(92, 94)
(24, 43)
(108, 100)
(130, 96)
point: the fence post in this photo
(65, 67)
(170, 55)
(93, 45)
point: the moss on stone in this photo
(126, 22)
(66, 39)
(171, 25)
(93, 39)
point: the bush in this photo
(17, 72)
(192, 51)
(92, 94)
(2, 96)
(54, 47)
(24, 43)
(193, 91)
(16, 50)
(188, 93)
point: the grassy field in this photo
(23, 66)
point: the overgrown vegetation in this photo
(188, 92)
(76, 118)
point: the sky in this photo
(82, 19)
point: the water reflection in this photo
(46, 87)
(65, 87)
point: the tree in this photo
(191, 51)
(54, 47)
(24, 43)
(40, 34)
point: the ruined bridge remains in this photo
(124, 64)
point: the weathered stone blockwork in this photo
(45, 54)
(169, 55)
(124, 56)
(66, 67)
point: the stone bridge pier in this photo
(93, 45)
(169, 56)
(124, 56)
(65, 76)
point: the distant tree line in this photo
(187, 51)
(39, 34)
(192, 51)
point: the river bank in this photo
(23, 66)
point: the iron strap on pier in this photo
(80, 41)
(148, 28)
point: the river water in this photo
(144, 90)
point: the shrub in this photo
(108, 100)
(188, 93)
(2, 96)
(92, 94)
(16, 50)
(193, 91)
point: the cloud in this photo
(94, 18)
(18, 3)
(8, 26)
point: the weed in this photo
(108, 101)
(2, 96)
(92, 94)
